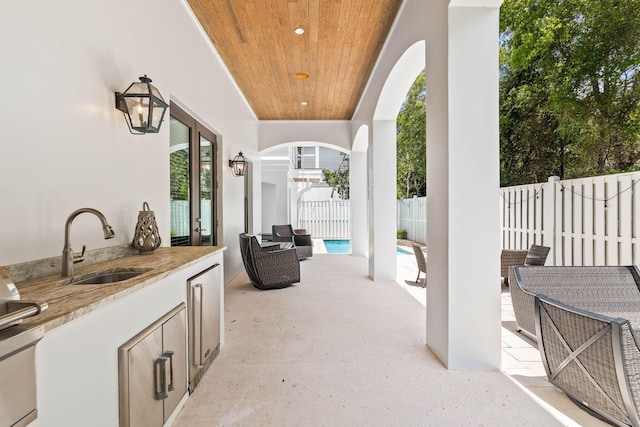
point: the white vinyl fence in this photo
(412, 217)
(587, 221)
(181, 220)
(328, 219)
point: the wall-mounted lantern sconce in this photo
(238, 164)
(143, 107)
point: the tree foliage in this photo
(411, 142)
(339, 179)
(570, 88)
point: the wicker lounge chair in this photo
(587, 288)
(421, 261)
(594, 359)
(535, 255)
(269, 269)
(301, 241)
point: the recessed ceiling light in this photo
(304, 103)
(302, 76)
(299, 30)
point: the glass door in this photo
(193, 181)
(180, 187)
(206, 193)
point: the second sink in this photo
(107, 276)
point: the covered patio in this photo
(337, 349)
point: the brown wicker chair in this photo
(508, 258)
(422, 263)
(535, 255)
(301, 241)
(593, 358)
(269, 269)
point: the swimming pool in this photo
(343, 246)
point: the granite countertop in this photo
(68, 302)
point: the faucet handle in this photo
(79, 257)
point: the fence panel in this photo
(521, 216)
(327, 219)
(587, 221)
(412, 218)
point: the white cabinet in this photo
(153, 371)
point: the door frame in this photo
(196, 129)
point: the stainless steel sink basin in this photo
(107, 276)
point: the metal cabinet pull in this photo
(197, 324)
(161, 378)
(169, 354)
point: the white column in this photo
(382, 213)
(358, 200)
(463, 291)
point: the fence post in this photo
(549, 218)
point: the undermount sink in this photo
(107, 276)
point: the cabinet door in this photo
(144, 408)
(174, 348)
(153, 371)
(210, 311)
(205, 314)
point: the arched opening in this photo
(305, 184)
(382, 230)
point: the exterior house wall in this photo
(65, 146)
(276, 208)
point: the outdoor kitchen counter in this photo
(68, 302)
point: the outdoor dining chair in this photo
(422, 263)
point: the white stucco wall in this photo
(332, 133)
(276, 207)
(64, 146)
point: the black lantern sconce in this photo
(143, 107)
(238, 165)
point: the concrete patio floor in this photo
(520, 356)
(338, 349)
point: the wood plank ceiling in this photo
(338, 49)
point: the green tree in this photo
(339, 179)
(411, 142)
(570, 88)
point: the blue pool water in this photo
(344, 247)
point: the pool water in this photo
(343, 246)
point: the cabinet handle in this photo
(161, 378)
(197, 324)
(169, 354)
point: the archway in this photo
(294, 187)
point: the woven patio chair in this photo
(301, 241)
(421, 261)
(269, 269)
(594, 359)
(508, 258)
(587, 288)
(535, 255)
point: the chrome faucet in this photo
(68, 257)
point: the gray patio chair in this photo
(269, 269)
(535, 255)
(590, 288)
(594, 359)
(421, 261)
(301, 241)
